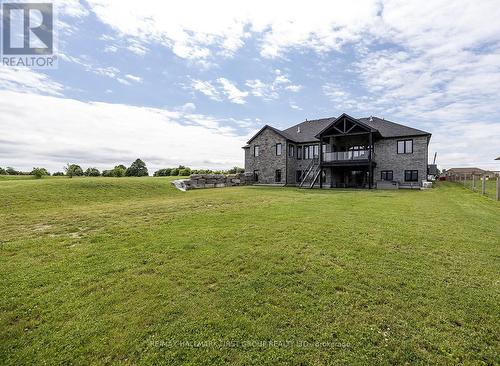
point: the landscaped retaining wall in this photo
(197, 181)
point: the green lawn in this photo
(132, 271)
(16, 177)
(491, 186)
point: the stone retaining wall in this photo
(197, 181)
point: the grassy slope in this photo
(491, 187)
(121, 270)
(16, 177)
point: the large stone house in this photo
(355, 152)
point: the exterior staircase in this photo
(311, 174)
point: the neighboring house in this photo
(363, 153)
(468, 172)
(498, 158)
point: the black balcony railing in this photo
(346, 155)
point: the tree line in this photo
(136, 169)
(185, 171)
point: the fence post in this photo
(498, 188)
(473, 182)
(483, 190)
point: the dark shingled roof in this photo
(309, 129)
(391, 129)
(279, 132)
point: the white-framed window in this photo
(279, 149)
(256, 150)
(405, 146)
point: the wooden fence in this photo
(487, 186)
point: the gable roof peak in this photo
(279, 132)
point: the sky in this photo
(190, 82)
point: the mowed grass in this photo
(132, 271)
(491, 186)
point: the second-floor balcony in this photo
(342, 156)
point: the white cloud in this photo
(72, 8)
(293, 88)
(342, 99)
(295, 106)
(223, 88)
(262, 90)
(53, 131)
(269, 91)
(90, 65)
(123, 81)
(111, 49)
(206, 88)
(137, 48)
(130, 44)
(188, 107)
(26, 80)
(234, 94)
(109, 71)
(135, 78)
(192, 29)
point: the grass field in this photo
(17, 177)
(131, 271)
(491, 186)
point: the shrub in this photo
(39, 172)
(58, 174)
(3, 171)
(137, 169)
(107, 173)
(73, 170)
(118, 171)
(235, 170)
(165, 172)
(11, 171)
(185, 172)
(174, 171)
(92, 172)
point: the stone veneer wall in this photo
(197, 181)
(387, 158)
(267, 162)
